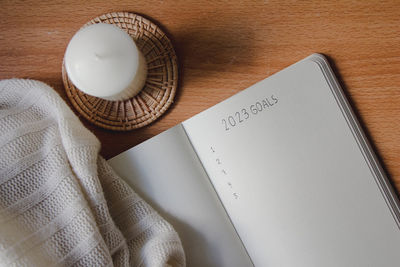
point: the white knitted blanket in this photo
(60, 202)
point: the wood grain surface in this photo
(225, 46)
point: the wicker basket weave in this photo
(161, 83)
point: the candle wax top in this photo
(101, 60)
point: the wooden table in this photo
(224, 47)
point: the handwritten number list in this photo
(223, 172)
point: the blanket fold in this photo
(60, 202)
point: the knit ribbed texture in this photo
(60, 202)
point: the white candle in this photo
(103, 61)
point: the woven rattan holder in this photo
(161, 83)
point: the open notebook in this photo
(279, 174)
